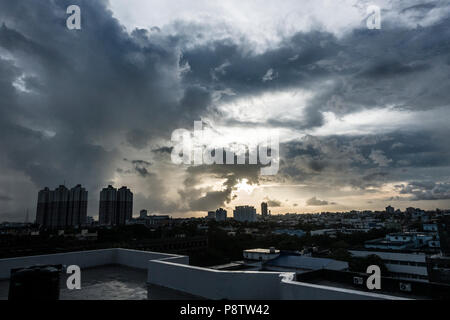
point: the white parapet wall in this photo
(214, 284)
(83, 259)
(293, 290)
(140, 259)
(88, 259)
(246, 285)
(174, 272)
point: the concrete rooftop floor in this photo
(112, 282)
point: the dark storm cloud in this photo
(273, 203)
(163, 150)
(366, 161)
(316, 202)
(204, 199)
(70, 100)
(5, 197)
(140, 167)
(425, 190)
(79, 87)
(364, 69)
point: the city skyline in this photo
(361, 114)
(108, 213)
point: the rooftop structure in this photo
(170, 276)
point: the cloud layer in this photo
(98, 106)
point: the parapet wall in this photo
(292, 290)
(88, 259)
(214, 284)
(174, 272)
(84, 259)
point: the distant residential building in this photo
(324, 232)
(264, 209)
(151, 221)
(77, 206)
(62, 208)
(245, 214)
(410, 210)
(143, 214)
(221, 215)
(400, 265)
(390, 210)
(116, 206)
(439, 264)
(124, 205)
(261, 254)
(158, 221)
(108, 205)
(218, 215)
(296, 233)
(43, 207)
(212, 215)
(431, 227)
(403, 241)
(89, 220)
(289, 262)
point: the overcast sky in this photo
(362, 114)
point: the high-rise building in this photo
(390, 210)
(61, 207)
(438, 265)
(245, 214)
(116, 206)
(212, 215)
(108, 205)
(218, 215)
(43, 207)
(143, 214)
(124, 206)
(264, 208)
(77, 213)
(221, 215)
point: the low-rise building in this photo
(400, 265)
(261, 254)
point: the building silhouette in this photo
(77, 206)
(390, 210)
(221, 214)
(108, 205)
(264, 208)
(212, 215)
(62, 208)
(245, 214)
(116, 206)
(143, 214)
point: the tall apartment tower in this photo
(124, 205)
(61, 208)
(245, 214)
(108, 205)
(77, 206)
(264, 208)
(116, 206)
(43, 207)
(221, 215)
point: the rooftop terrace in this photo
(136, 275)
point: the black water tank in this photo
(35, 283)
